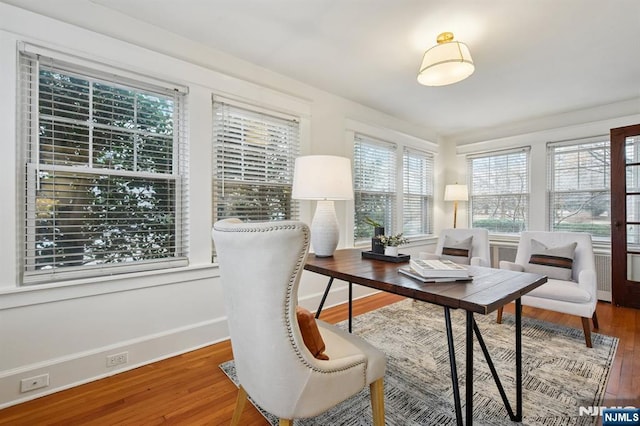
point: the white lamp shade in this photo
(446, 63)
(456, 193)
(322, 177)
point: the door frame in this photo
(624, 292)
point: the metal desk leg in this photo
(350, 304)
(454, 370)
(518, 417)
(494, 373)
(324, 297)
(469, 387)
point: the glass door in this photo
(625, 215)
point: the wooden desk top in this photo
(489, 289)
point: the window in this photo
(417, 203)
(499, 190)
(374, 164)
(104, 164)
(579, 186)
(632, 187)
(254, 156)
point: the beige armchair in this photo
(452, 244)
(571, 287)
(260, 269)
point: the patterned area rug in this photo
(560, 373)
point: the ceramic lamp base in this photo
(325, 232)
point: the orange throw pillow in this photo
(310, 333)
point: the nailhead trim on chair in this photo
(288, 308)
(292, 280)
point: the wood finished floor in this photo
(190, 389)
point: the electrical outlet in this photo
(117, 359)
(35, 382)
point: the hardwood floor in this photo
(190, 389)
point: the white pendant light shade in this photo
(447, 62)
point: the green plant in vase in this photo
(391, 243)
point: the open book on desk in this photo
(408, 271)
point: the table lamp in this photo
(456, 193)
(324, 178)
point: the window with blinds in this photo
(104, 160)
(579, 186)
(374, 164)
(499, 190)
(254, 156)
(417, 203)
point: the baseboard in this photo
(81, 368)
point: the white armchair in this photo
(575, 293)
(260, 269)
(452, 244)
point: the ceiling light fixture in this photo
(445, 63)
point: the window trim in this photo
(499, 152)
(430, 158)
(394, 196)
(401, 142)
(550, 178)
(241, 108)
(27, 142)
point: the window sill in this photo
(86, 287)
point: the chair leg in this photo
(240, 401)
(377, 402)
(587, 331)
(285, 422)
(499, 316)
(594, 318)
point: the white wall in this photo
(67, 329)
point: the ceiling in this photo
(536, 60)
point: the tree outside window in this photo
(579, 187)
(102, 170)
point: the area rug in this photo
(560, 374)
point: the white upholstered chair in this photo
(576, 295)
(479, 249)
(260, 269)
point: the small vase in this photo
(376, 244)
(391, 251)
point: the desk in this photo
(489, 290)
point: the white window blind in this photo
(579, 186)
(499, 190)
(254, 156)
(104, 160)
(417, 204)
(374, 164)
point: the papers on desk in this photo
(408, 271)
